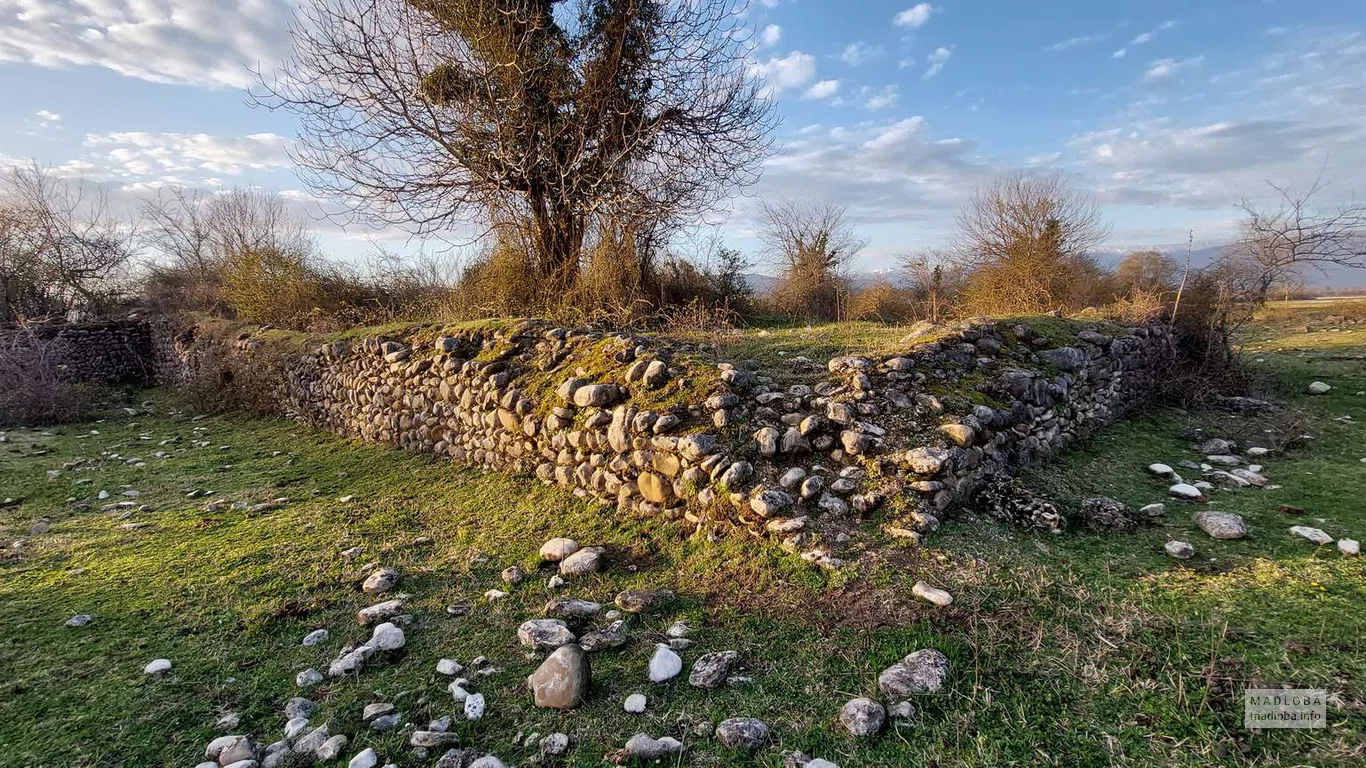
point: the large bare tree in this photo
(1279, 243)
(433, 113)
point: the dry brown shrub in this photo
(611, 283)
(884, 303)
(34, 387)
(1138, 308)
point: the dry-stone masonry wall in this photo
(112, 351)
(662, 427)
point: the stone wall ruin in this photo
(661, 427)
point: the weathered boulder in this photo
(562, 680)
(924, 671)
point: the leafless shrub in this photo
(1025, 241)
(811, 244)
(245, 255)
(61, 249)
(934, 283)
(34, 387)
(1139, 307)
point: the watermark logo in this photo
(1284, 708)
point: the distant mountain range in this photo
(1330, 277)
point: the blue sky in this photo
(1168, 112)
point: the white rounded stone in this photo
(665, 664)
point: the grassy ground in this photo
(1076, 650)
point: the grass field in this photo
(1072, 650)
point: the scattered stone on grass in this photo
(711, 670)
(380, 612)
(562, 680)
(863, 717)
(554, 745)
(315, 637)
(742, 733)
(665, 664)
(1313, 534)
(1179, 549)
(642, 747)
(298, 706)
(1319, 388)
(332, 748)
(387, 637)
(365, 759)
(613, 636)
(432, 739)
(1349, 547)
(80, 620)
(474, 706)
(544, 634)
(1220, 525)
(924, 671)
(380, 581)
(582, 562)
(643, 600)
(557, 549)
(635, 703)
(157, 667)
(1186, 491)
(902, 710)
(933, 595)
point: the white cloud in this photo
(791, 71)
(1165, 70)
(1076, 42)
(882, 99)
(47, 118)
(885, 172)
(1142, 38)
(172, 41)
(770, 3)
(1310, 119)
(859, 53)
(771, 35)
(183, 157)
(823, 89)
(915, 16)
(937, 60)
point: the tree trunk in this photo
(559, 238)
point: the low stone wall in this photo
(115, 351)
(662, 427)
